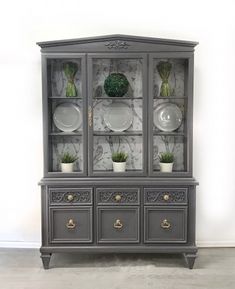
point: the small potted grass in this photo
(166, 162)
(67, 162)
(119, 161)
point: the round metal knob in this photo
(71, 224)
(118, 198)
(166, 197)
(70, 197)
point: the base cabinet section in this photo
(165, 225)
(69, 225)
(118, 225)
(118, 219)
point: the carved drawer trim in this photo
(70, 196)
(117, 196)
(165, 196)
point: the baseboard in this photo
(33, 245)
(213, 244)
(36, 245)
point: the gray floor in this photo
(22, 269)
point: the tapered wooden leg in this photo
(190, 259)
(46, 260)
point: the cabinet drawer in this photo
(118, 225)
(68, 196)
(165, 225)
(71, 225)
(118, 196)
(165, 196)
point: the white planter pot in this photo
(119, 167)
(67, 167)
(166, 167)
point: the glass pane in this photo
(66, 116)
(170, 112)
(65, 144)
(173, 144)
(64, 78)
(130, 68)
(102, 109)
(104, 146)
(65, 113)
(172, 71)
(117, 104)
(176, 109)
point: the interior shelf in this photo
(117, 98)
(116, 133)
(111, 172)
(64, 174)
(170, 97)
(174, 133)
(59, 97)
(76, 133)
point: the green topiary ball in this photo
(116, 85)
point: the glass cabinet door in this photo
(117, 112)
(170, 122)
(65, 112)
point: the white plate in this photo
(118, 116)
(167, 117)
(67, 117)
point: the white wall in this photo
(25, 22)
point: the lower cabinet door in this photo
(165, 225)
(118, 225)
(71, 225)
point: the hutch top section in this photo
(120, 43)
(107, 95)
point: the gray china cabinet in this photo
(93, 209)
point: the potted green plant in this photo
(67, 162)
(119, 161)
(166, 162)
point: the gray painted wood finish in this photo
(70, 225)
(118, 225)
(165, 224)
(101, 211)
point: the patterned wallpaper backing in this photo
(104, 146)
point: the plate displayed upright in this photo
(67, 117)
(167, 117)
(118, 116)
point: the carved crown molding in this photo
(117, 44)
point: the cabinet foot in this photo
(46, 260)
(190, 259)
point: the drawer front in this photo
(118, 196)
(165, 225)
(70, 196)
(71, 225)
(165, 196)
(118, 225)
